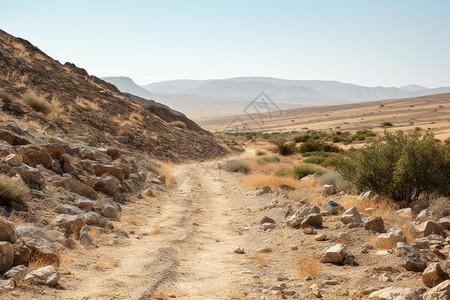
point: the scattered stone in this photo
(331, 282)
(366, 247)
(264, 250)
(239, 250)
(6, 256)
(265, 190)
(86, 240)
(424, 215)
(439, 292)
(328, 189)
(334, 254)
(17, 273)
(385, 278)
(395, 293)
(111, 212)
(47, 275)
(374, 224)
(434, 275)
(299, 216)
(293, 247)
(389, 240)
(351, 216)
(7, 284)
(315, 290)
(267, 226)
(312, 220)
(22, 253)
(333, 208)
(343, 237)
(430, 227)
(405, 213)
(320, 237)
(444, 222)
(309, 230)
(414, 262)
(266, 219)
(67, 209)
(7, 231)
(13, 160)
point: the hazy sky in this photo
(389, 43)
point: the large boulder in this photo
(108, 185)
(30, 175)
(37, 156)
(299, 216)
(72, 224)
(47, 275)
(56, 151)
(111, 212)
(429, 228)
(117, 172)
(328, 189)
(439, 292)
(39, 243)
(312, 220)
(75, 186)
(17, 273)
(333, 208)
(414, 262)
(22, 253)
(13, 160)
(395, 293)
(334, 254)
(12, 138)
(374, 224)
(434, 275)
(351, 215)
(389, 240)
(7, 231)
(6, 256)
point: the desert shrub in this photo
(284, 148)
(37, 103)
(260, 153)
(336, 139)
(13, 189)
(178, 124)
(316, 153)
(399, 166)
(315, 160)
(302, 138)
(387, 124)
(235, 165)
(318, 146)
(269, 159)
(337, 180)
(440, 207)
(301, 171)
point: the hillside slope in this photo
(88, 106)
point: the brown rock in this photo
(39, 156)
(434, 275)
(6, 256)
(374, 224)
(7, 231)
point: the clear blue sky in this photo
(372, 43)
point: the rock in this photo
(334, 254)
(7, 231)
(328, 189)
(366, 247)
(374, 224)
(414, 262)
(56, 151)
(389, 240)
(12, 138)
(439, 292)
(320, 237)
(4, 213)
(17, 273)
(395, 293)
(351, 216)
(108, 185)
(405, 213)
(67, 209)
(331, 282)
(114, 153)
(333, 208)
(444, 222)
(47, 275)
(298, 217)
(39, 243)
(75, 186)
(7, 284)
(430, 227)
(86, 240)
(29, 175)
(22, 253)
(265, 190)
(239, 250)
(434, 275)
(364, 195)
(72, 224)
(343, 237)
(312, 220)
(266, 219)
(6, 256)
(13, 160)
(267, 226)
(37, 156)
(117, 172)
(111, 212)
(162, 179)
(385, 278)
(293, 247)
(424, 215)
(309, 230)
(264, 250)
(315, 290)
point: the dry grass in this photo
(260, 259)
(156, 229)
(13, 189)
(258, 181)
(86, 104)
(37, 103)
(308, 266)
(165, 169)
(226, 147)
(41, 260)
(131, 220)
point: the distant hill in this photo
(287, 93)
(127, 85)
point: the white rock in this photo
(389, 240)
(395, 293)
(47, 275)
(351, 216)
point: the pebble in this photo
(239, 250)
(321, 237)
(293, 247)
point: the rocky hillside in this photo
(85, 105)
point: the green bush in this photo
(269, 159)
(178, 124)
(386, 124)
(315, 160)
(336, 139)
(284, 148)
(302, 138)
(235, 165)
(399, 166)
(337, 180)
(37, 103)
(303, 170)
(318, 146)
(13, 189)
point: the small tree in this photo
(284, 148)
(399, 166)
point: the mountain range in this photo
(234, 94)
